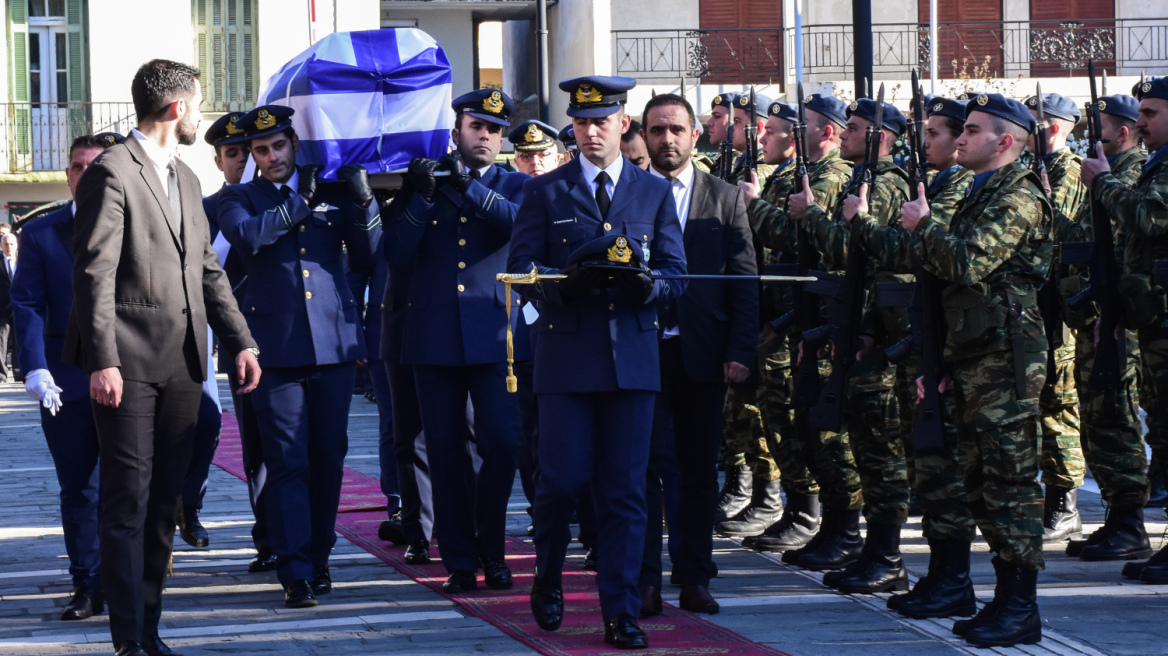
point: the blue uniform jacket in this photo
(42, 295)
(455, 247)
(604, 342)
(297, 303)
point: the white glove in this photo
(39, 385)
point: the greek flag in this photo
(378, 98)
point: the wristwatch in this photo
(254, 351)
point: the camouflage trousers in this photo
(872, 415)
(777, 388)
(1062, 452)
(1113, 441)
(939, 483)
(744, 435)
(999, 452)
(906, 393)
(1154, 391)
(830, 459)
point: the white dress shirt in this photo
(682, 188)
(159, 157)
(614, 172)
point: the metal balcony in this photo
(37, 136)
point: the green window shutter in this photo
(202, 52)
(75, 38)
(20, 117)
(224, 49)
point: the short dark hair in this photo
(86, 141)
(632, 132)
(1118, 122)
(158, 83)
(955, 126)
(662, 99)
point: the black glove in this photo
(578, 283)
(421, 174)
(306, 186)
(357, 179)
(637, 286)
(459, 176)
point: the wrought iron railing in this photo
(1046, 48)
(37, 136)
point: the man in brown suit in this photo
(146, 284)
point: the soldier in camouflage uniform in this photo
(948, 523)
(995, 254)
(1143, 211)
(1063, 468)
(776, 230)
(871, 406)
(1112, 437)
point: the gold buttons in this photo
(462, 265)
(644, 237)
(550, 326)
(308, 295)
(462, 242)
(611, 307)
(462, 288)
(463, 219)
(253, 308)
(565, 241)
(435, 223)
(607, 226)
(303, 228)
(303, 251)
(305, 273)
(655, 325)
(329, 222)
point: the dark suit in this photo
(454, 335)
(145, 286)
(42, 294)
(718, 323)
(596, 368)
(6, 321)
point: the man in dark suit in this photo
(41, 296)
(707, 341)
(8, 250)
(596, 365)
(146, 283)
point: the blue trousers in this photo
(470, 513)
(379, 379)
(252, 450)
(303, 417)
(602, 438)
(207, 429)
(72, 439)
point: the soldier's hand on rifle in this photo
(421, 174)
(750, 190)
(1093, 167)
(1118, 332)
(914, 211)
(767, 333)
(459, 176)
(306, 186)
(797, 204)
(941, 387)
(357, 179)
(735, 372)
(854, 205)
(866, 346)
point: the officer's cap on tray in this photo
(265, 121)
(618, 254)
(490, 105)
(998, 105)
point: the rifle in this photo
(751, 138)
(1048, 294)
(726, 149)
(1103, 290)
(848, 294)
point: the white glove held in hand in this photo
(39, 385)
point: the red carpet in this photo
(676, 632)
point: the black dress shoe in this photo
(650, 600)
(496, 574)
(298, 594)
(590, 560)
(190, 530)
(322, 581)
(129, 648)
(531, 530)
(460, 582)
(265, 561)
(154, 646)
(622, 632)
(85, 603)
(391, 530)
(418, 553)
(697, 599)
(547, 603)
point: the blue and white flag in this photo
(378, 98)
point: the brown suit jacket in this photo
(141, 289)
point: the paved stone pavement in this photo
(213, 606)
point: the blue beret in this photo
(224, 131)
(110, 138)
(970, 94)
(266, 120)
(491, 105)
(1057, 106)
(783, 111)
(596, 96)
(939, 106)
(612, 252)
(761, 103)
(865, 108)
(1153, 87)
(829, 106)
(1124, 106)
(532, 135)
(568, 137)
(726, 100)
(998, 105)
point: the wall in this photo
(580, 43)
(113, 58)
(641, 15)
(453, 30)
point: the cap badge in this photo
(620, 251)
(717, 100)
(534, 134)
(938, 107)
(109, 140)
(983, 100)
(744, 101)
(586, 94)
(493, 103)
(1032, 101)
(1146, 88)
(1102, 105)
(265, 120)
(854, 106)
(231, 129)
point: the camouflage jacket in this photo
(1068, 196)
(830, 233)
(740, 172)
(998, 247)
(1143, 209)
(774, 195)
(768, 213)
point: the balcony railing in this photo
(37, 136)
(1048, 48)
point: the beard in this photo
(186, 131)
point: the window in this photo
(225, 47)
(744, 43)
(47, 51)
(969, 38)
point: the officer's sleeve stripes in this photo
(490, 200)
(282, 213)
(408, 216)
(372, 223)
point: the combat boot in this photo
(735, 496)
(949, 591)
(841, 546)
(1124, 537)
(765, 510)
(798, 526)
(792, 556)
(1017, 621)
(1135, 569)
(881, 568)
(924, 583)
(1061, 519)
(1005, 574)
(1155, 570)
